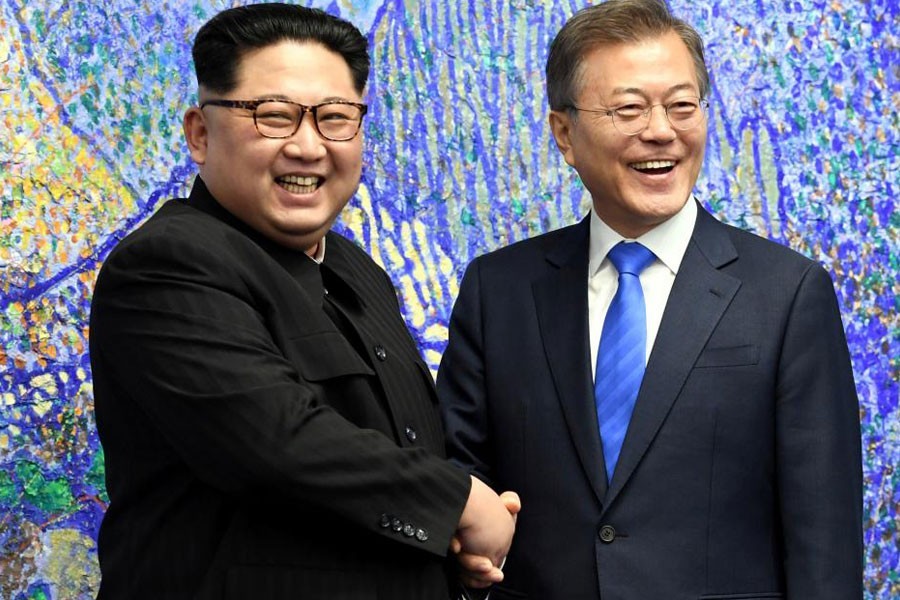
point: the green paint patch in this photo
(8, 491)
(50, 496)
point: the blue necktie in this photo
(621, 356)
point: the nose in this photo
(306, 143)
(658, 126)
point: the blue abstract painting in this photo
(804, 148)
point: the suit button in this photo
(385, 521)
(607, 534)
(380, 352)
(421, 535)
(411, 434)
(409, 530)
(396, 524)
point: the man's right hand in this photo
(485, 534)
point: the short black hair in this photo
(223, 40)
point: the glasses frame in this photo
(703, 103)
(252, 105)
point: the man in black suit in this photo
(671, 397)
(269, 428)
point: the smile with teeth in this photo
(296, 184)
(655, 166)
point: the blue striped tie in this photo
(621, 356)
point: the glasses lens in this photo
(337, 121)
(630, 119)
(277, 119)
(685, 113)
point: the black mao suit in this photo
(740, 474)
(262, 441)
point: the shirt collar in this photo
(319, 256)
(668, 240)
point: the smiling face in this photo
(636, 182)
(290, 190)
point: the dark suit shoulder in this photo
(182, 243)
(769, 255)
(744, 253)
(558, 246)
(744, 239)
(178, 223)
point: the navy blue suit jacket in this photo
(740, 475)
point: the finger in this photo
(475, 584)
(455, 545)
(472, 563)
(482, 580)
(511, 501)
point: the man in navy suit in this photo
(269, 428)
(724, 463)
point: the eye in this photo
(682, 108)
(337, 112)
(630, 111)
(275, 113)
(273, 116)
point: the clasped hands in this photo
(485, 534)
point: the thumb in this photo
(512, 502)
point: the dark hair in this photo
(223, 40)
(613, 22)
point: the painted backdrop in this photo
(804, 148)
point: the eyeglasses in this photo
(632, 119)
(337, 121)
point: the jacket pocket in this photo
(735, 356)
(325, 355)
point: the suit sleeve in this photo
(462, 393)
(176, 332)
(461, 382)
(819, 470)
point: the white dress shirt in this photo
(668, 241)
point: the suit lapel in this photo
(699, 297)
(561, 300)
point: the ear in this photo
(196, 134)
(561, 124)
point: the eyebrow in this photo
(287, 99)
(633, 90)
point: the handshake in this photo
(485, 534)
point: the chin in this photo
(670, 203)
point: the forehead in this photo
(290, 67)
(646, 66)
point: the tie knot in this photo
(630, 257)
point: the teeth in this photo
(298, 180)
(653, 164)
(296, 184)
